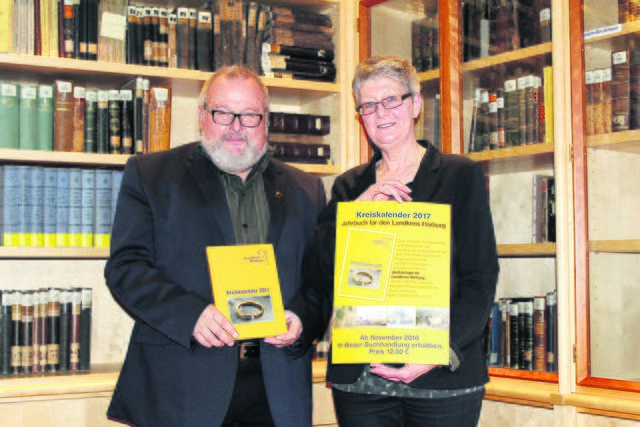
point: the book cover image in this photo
(392, 279)
(246, 289)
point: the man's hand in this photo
(406, 374)
(294, 326)
(213, 329)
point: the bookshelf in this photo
(83, 397)
(594, 261)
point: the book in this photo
(255, 311)
(492, 120)
(620, 90)
(5, 332)
(471, 147)
(41, 336)
(102, 122)
(126, 121)
(494, 336)
(551, 210)
(69, 28)
(84, 358)
(28, 129)
(192, 44)
(6, 27)
(26, 334)
(204, 41)
(53, 329)
(172, 41)
(64, 350)
(551, 315)
(514, 336)
(16, 333)
(79, 104)
(115, 126)
(44, 114)
(146, 99)
(112, 17)
(155, 36)
(163, 37)
(588, 94)
(133, 26)
(75, 207)
(63, 194)
(87, 212)
(36, 211)
(540, 209)
(606, 100)
(103, 195)
(10, 115)
(159, 118)
(182, 37)
(90, 113)
(81, 40)
(74, 336)
(251, 58)
(539, 334)
(63, 116)
(50, 214)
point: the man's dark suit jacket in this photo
(172, 205)
(441, 178)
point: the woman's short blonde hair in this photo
(393, 67)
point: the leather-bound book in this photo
(182, 37)
(193, 24)
(620, 90)
(598, 107)
(74, 336)
(16, 332)
(82, 38)
(155, 44)
(102, 122)
(26, 343)
(93, 9)
(69, 29)
(159, 119)
(147, 28)
(606, 99)
(79, 104)
(172, 41)
(204, 40)
(85, 329)
(90, 111)
(6, 296)
(132, 34)
(65, 330)
(53, 329)
(126, 120)
(115, 126)
(63, 116)
(251, 56)
(588, 91)
(163, 40)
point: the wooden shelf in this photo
(615, 246)
(101, 379)
(608, 41)
(527, 54)
(628, 141)
(66, 68)
(515, 159)
(519, 391)
(527, 250)
(523, 375)
(53, 253)
(429, 76)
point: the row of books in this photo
(66, 116)
(544, 209)
(522, 334)
(628, 10)
(598, 101)
(491, 27)
(279, 41)
(425, 43)
(518, 113)
(625, 92)
(45, 331)
(57, 207)
(299, 137)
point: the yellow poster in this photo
(392, 279)
(246, 289)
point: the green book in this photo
(28, 133)
(9, 115)
(90, 111)
(45, 118)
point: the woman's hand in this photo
(391, 189)
(406, 374)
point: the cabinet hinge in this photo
(575, 357)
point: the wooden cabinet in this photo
(81, 399)
(592, 265)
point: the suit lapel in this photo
(213, 192)
(277, 193)
(428, 176)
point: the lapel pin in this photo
(278, 194)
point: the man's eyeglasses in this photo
(226, 118)
(389, 103)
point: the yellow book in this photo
(246, 289)
(45, 27)
(6, 26)
(391, 283)
(548, 103)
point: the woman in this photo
(387, 94)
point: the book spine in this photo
(10, 115)
(79, 103)
(53, 329)
(63, 193)
(65, 331)
(620, 90)
(36, 196)
(493, 120)
(588, 90)
(45, 118)
(193, 19)
(548, 103)
(163, 40)
(482, 125)
(606, 100)
(24, 206)
(182, 37)
(50, 206)
(551, 209)
(159, 119)
(90, 111)
(102, 122)
(147, 25)
(63, 116)
(146, 100)
(126, 121)
(5, 333)
(494, 348)
(474, 122)
(26, 324)
(542, 129)
(115, 129)
(204, 35)
(92, 29)
(515, 335)
(132, 23)
(502, 135)
(155, 36)
(69, 28)
(28, 132)
(506, 347)
(42, 330)
(172, 41)
(74, 338)
(551, 331)
(102, 230)
(88, 207)
(16, 332)
(531, 110)
(539, 334)
(75, 207)
(522, 110)
(84, 359)
(82, 29)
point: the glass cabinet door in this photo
(607, 184)
(409, 28)
(507, 116)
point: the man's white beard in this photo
(231, 162)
